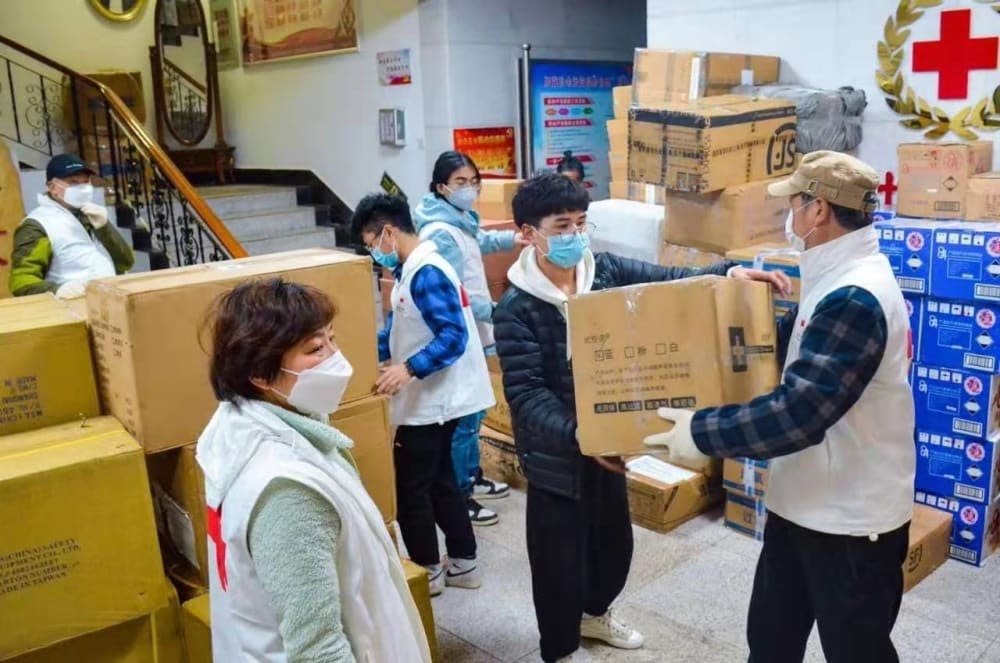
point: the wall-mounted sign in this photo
(492, 148)
(394, 67)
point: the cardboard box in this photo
(958, 466)
(662, 75)
(662, 496)
(496, 198)
(930, 531)
(622, 96)
(960, 334)
(966, 263)
(618, 163)
(152, 356)
(736, 217)
(672, 255)
(196, 617)
(908, 244)
(650, 194)
(746, 515)
(46, 369)
(498, 416)
(711, 144)
(618, 135)
(915, 310)
(954, 400)
(982, 202)
(975, 533)
(627, 362)
(153, 638)
(778, 257)
(416, 578)
(497, 264)
(178, 488)
(499, 460)
(79, 551)
(367, 424)
(934, 177)
(745, 476)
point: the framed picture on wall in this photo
(222, 20)
(282, 29)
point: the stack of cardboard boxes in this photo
(949, 270)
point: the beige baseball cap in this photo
(835, 177)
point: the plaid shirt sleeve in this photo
(842, 347)
(440, 305)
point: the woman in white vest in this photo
(446, 217)
(302, 566)
(839, 429)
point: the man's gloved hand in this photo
(678, 441)
(96, 214)
(71, 290)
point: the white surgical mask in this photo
(463, 197)
(320, 388)
(78, 195)
(796, 242)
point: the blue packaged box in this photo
(958, 466)
(907, 245)
(954, 400)
(975, 533)
(915, 311)
(884, 215)
(966, 264)
(960, 334)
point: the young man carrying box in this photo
(579, 534)
(839, 430)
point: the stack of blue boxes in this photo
(950, 275)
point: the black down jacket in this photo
(538, 379)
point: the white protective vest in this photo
(76, 255)
(462, 388)
(473, 270)
(377, 610)
(859, 480)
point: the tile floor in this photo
(688, 592)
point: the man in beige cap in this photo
(838, 431)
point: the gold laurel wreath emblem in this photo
(983, 116)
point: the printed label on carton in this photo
(957, 466)
(955, 401)
(961, 334)
(908, 248)
(975, 527)
(967, 262)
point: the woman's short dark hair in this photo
(570, 164)
(446, 165)
(254, 325)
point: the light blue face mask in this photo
(388, 260)
(567, 251)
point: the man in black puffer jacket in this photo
(579, 533)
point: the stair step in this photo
(318, 238)
(244, 199)
(272, 224)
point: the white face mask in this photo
(320, 388)
(796, 242)
(78, 195)
(464, 198)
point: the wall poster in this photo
(492, 148)
(282, 29)
(222, 18)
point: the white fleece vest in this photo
(377, 610)
(473, 270)
(76, 255)
(859, 480)
(462, 388)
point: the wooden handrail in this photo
(150, 148)
(186, 76)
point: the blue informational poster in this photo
(571, 102)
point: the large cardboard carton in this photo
(960, 334)
(618, 163)
(11, 213)
(690, 343)
(420, 589)
(934, 177)
(736, 217)
(673, 255)
(711, 144)
(46, 369)
(78, 548)
(622, 97)
(662, 496)
(498, 416)
(496, 198)
(367, 424)
(618, 135)
(982, 202)
(745, 476)
(777, 256)
(498, 263)
(650, 194)
(930, 530)
(746, 515)
(975, 533)
(955, 400)
(958, 466)
(661, 75)
(907, 243)
(152, 347)
(498, 458)
(966, 264)
(197, 621)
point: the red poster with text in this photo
(492, 148)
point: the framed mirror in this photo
(182, 70)
(118, 10)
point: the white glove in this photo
(678, 441)
(71, 290)
(96, 214)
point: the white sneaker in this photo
(435, 574)
(486, 489)
(610, 630)
(464, 573)
(479, 515)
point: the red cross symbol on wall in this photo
(888, 188)
(955, 55)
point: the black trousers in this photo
(426, 494)
(850, 586)
(580, 552)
